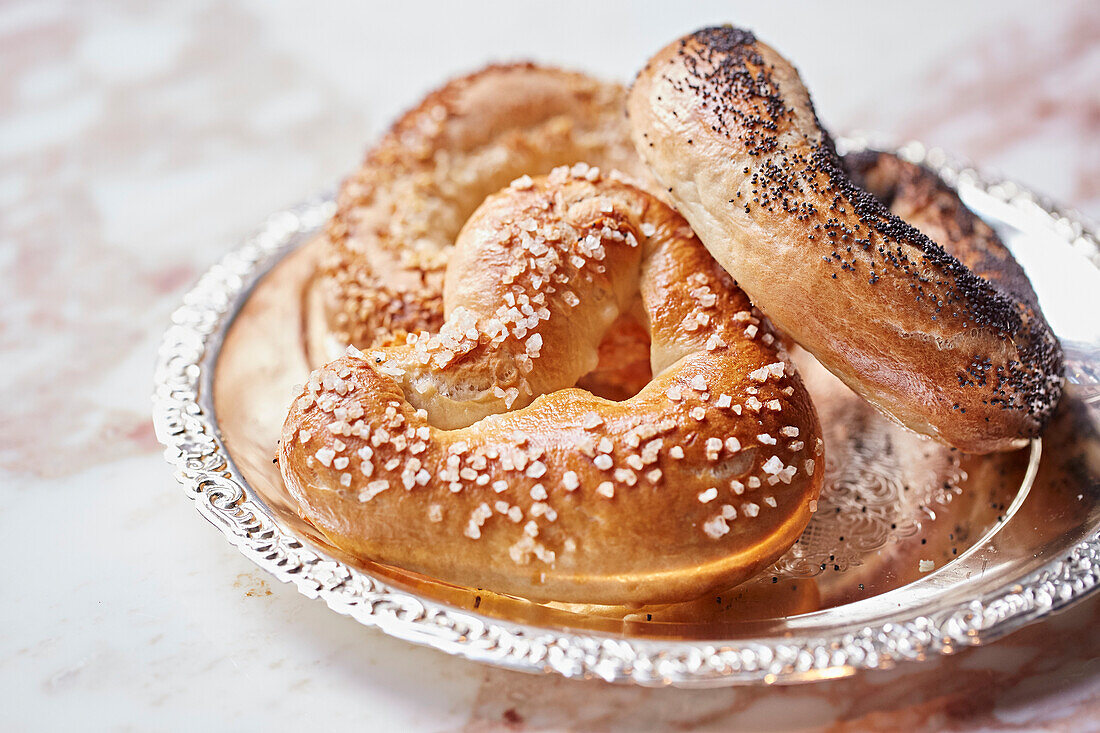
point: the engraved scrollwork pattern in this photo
(202, 466)
(870, 499)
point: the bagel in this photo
(469, 456)
(398, 215)
(725, 124)
(918, 196)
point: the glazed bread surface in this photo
(398, 214)
(468, 455)
(726, 125)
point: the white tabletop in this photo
(140, 141)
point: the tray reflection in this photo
(892, 498)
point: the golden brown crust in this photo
(921, 198)
(399, 214)
(703, 478)
(726, 124)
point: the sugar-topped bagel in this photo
(468, 455)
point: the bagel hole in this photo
(623, 368)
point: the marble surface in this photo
(140, 141)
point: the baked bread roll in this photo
(921, 198)
(726, 125)
(398, 215)
(468, 455)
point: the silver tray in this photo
(1010, 538)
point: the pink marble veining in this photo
(1013, 99)
(1046, 677)
(140, 142)
(115, 165)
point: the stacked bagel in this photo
(562, 377)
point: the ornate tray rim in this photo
(185, 424)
